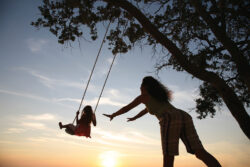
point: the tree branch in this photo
(239, 59)
(230, 98)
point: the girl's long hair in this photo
(156, 89)
(87, 113)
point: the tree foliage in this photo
(208, 39)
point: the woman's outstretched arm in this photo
(134, 103)
(140, 114)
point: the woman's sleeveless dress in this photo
(174, 124)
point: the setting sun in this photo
(108, 159)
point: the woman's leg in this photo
(168, 161)
(193, 144)
(207, 158)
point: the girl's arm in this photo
(77, 120)
(134, 103)
(140, 114)
(94, 119)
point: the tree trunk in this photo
(234, 105)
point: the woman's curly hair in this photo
(156, 89)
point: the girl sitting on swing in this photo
(83, 125)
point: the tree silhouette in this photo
(208, 39)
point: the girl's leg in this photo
(207, 158)
(69, 128)
(63, 126)
(168, 161)
(60, 125)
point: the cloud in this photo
(109, 60)
(28, 122)
(38, 139)
(51, 82)
(27, 95)
(114, 93)
(41, 117)
(102, 70)
(35, 97)
(67, 99)
(104, 101)
(183, 96)
(33, 125)
(127, 137)
(36, 45)
(34, 121)
(180, 95)
(108, 101)
(14, 130)
(65, 139)
(43, 79)
(7, 142)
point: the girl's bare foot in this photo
(60, 125)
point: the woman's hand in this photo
(111, 116)
(131, 119)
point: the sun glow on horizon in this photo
(109, 159)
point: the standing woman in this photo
(174, 123)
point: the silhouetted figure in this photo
(83, 125)
(174, 123)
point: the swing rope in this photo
(105, 82)
(92, 71)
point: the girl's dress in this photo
(174, 124)
(83, 128)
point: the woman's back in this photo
(155, 107)
(159, 109)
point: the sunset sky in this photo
(42, 83)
